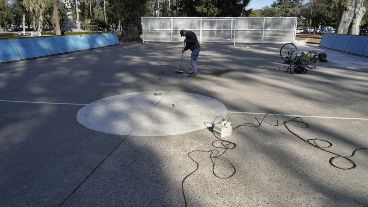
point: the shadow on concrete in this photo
(45, 154)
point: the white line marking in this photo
(302, 116)
(39, 102)
(230, 112)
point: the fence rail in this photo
(221, 29)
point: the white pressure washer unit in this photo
(222, 129)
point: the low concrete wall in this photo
(19, 49)
(353, 44)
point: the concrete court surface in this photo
(48, 159)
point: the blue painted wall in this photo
(8, 51)
(31, 47)
(59, 44)
(18, 49)
(353, 44)
(356, 45)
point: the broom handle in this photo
(182, 54)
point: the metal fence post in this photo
(231, 29)
(295, 27)
(234, 31)
(171, 30)
(263, 29)
(200, 32)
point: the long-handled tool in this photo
(180, 70)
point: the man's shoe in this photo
(192, 74)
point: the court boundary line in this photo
(302, 116)
(41, 102)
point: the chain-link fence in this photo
(221, 29)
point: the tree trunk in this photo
(56, 17)
(104, 11)
(345, 21)
(4, 27)
(34, 23)
(350, 17)
(346, 17)
(40, 22)
(24, 24)
(77, 21)
(359, 13)
(90, 10)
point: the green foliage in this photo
(6, 15)
(232, 8)
(100, 23)
(87, 9)
(314, 13)
(37, 6)
(2, 5)
(280, 8)
(206, 8)
(269, 12)
(198, 8)
(287, 8)
(127, 11)
(256, 13)
(320, 12)
(166, 10)
(213, 8)
(364, 23)
(17, 10)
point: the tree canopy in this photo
(345, 15)
(111, 13)
(213, 8)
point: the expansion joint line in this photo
(94, 169)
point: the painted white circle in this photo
(151, 113)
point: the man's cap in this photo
(182, 32)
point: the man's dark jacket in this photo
(191, 41)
